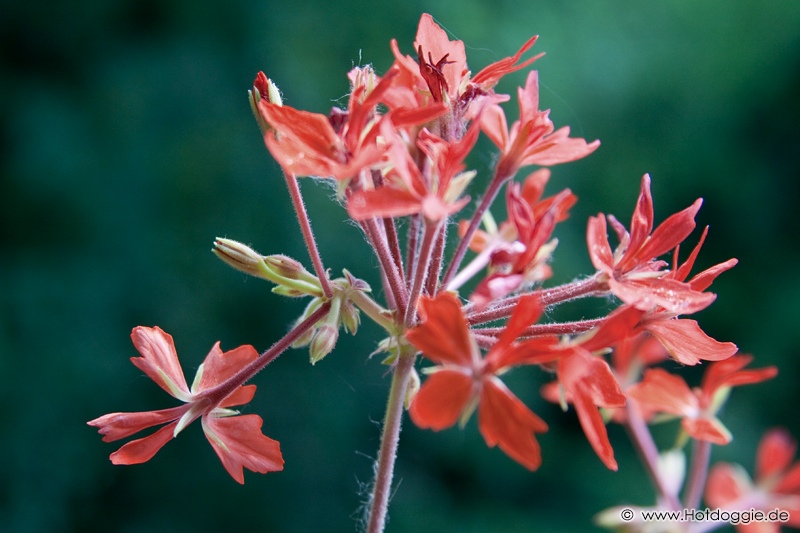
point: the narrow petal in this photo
(687, 343)
(670, 233)
(159, 361)
(526, 313)
(441, 400)
(443, 336)
(506, 422)
(641, 221)
(597, 241)
(594, 427)
(490, 75)
(142, 450)
(434, 41)
(115, 426)
(239, 444)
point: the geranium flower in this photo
(462, 380)
(439, 70)
(519, 252)
(531, 139)
(633, 272)
(776, 486)
(237, 440)
(406, 191)
(662, 392)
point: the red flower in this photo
(520, 251)
(531, 139)
(440, 67)
(463, 380)
(633, 272)
(237, 440)
(777, 484)
(661, 391)
(406, 190)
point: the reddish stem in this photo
(308, 235)
(390, 270)
(221, 391)
(559, 328)
(697, 474)
(475, 221)
(420, 271)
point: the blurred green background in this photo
(127, 145)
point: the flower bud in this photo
(323, 343)
(239, 256)
(350, 317)
(263, 89)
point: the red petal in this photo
(443, 336)
(490, 75)
(159, 361)
(710, 430)
(597, 241)
(674, 296)
(775, 453)
(115, 426)
(641, 225)
(726, 483)
(664, 392)
(434, 41)
(142, 450)
(593, 427)
(687, 343)
(670, 233)
(441, 400)
(239, 444)
(218, 367)
(729, 373)
(508, 423)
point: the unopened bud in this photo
(263, 89)
(239, 256)
(323, 343)
(287, 267)
(350, 317)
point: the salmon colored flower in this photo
(439, 69)
(662, 392)
(237, 440)
(633, 272)
(776, 485)
(519, 253)
(462, 380)
(532, 140)
(405, 190)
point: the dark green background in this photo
(127, 145)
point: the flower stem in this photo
(308, 235)
(461, 250)
(421, 270)
(643, 442)
(384, 470)
(697, 473)
(218, 393)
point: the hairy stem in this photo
(461, 250)
(384, 469)
(308, 235)
(643, 442)
(697, 473)
(420, 270)
(218, 393)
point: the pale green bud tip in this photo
(323, 342)
(239, 256)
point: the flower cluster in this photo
(397, 153)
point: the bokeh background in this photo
(127, 145)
